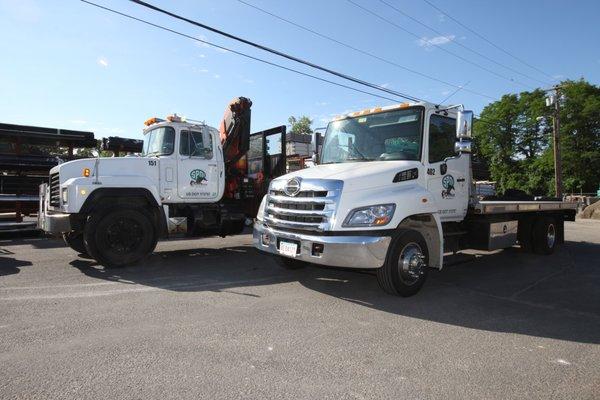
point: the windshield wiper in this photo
(357, 159)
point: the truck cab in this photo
(189, 159)
(392, 192)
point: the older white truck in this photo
(393, 191)
(192, 179)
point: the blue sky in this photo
(69, 65)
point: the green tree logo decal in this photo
(448, 184)
(198, 177)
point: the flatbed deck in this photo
(502, 207)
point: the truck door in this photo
(447, 173)
(160, 158)
(197, 172)
(266, 161)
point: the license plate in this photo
(288, 249)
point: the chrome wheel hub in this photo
(411, 263)
(551, 235)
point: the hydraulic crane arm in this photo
(235, 130)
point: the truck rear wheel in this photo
(120, 237)
(525, 234)
(405, 268)
(545, 235)
(75, 241)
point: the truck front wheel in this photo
(405, 268)
(120, 237)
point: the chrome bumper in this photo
(338, 251)
(53, 223)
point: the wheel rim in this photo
(124, 235)
(411, 263)
(551, 236)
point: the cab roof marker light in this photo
(374, 110)
(174, 118)
(152, 121)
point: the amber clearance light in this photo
(86, 172)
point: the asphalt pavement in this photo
(215, 319)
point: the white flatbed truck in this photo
(393, 191)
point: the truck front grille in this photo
(54, 190)
(312, 208)
(303, 194)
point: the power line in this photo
(453, 93)
(436, 45)
(276, 52)
(487, 40)
(460, 44)
(239, 53)
(364, 52)
(252, 57)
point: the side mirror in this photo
(464, 124)
(462, 147)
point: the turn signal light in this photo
(86, 172)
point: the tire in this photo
(405, 269)
(118, 237)
(525, 234)
(290, 263)
(75, 241)
(545, 235)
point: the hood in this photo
(73, 165)
(107, 166)
(356, 175)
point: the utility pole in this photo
(557, 159)
(555, 100)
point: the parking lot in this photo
(215, 319)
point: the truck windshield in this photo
(159, 142)
(391, 135)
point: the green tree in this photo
(514, 135)
(580, 136)
(300, 125)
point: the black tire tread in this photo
(92, 225)
(386, 274)
(525, 234)
(540, 228)
(75, 241)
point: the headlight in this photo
(377, 215)
(65, 195)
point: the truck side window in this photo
(442, 136)
(191, 144)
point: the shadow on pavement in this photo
(31, 238)
(11, 266)
(552, 297)
(201, 269)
